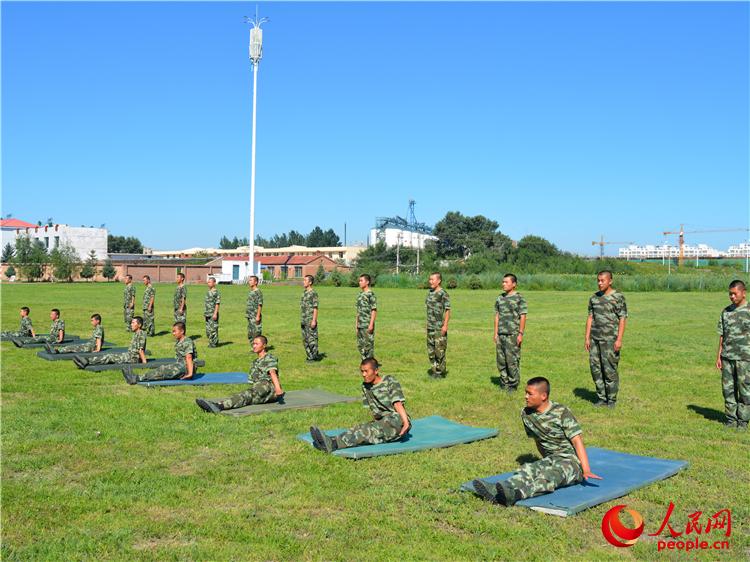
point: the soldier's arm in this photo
(446, 319)
(181, 308)
(577, 443)
(718, 353)
(497, 325)
(405, 426)
(142, 355)
(60, 336)
(275, 381)
(587, 337)
(620, 333)
(98, 345)
(216, 311)
(151, 303)
(521, 329)
(314, 322)
(373, 315)
(189, 367)
(258, 313)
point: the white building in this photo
(400, 237)
(82, 239)
(649, 251)
(740, 250)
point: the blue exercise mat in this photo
(201, 379)
(621, 474)
(425, 433)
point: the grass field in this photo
(95, 469)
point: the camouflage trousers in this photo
(164, 372)
(86, 347)
(127, 314)
(111, 358)
(212, 331)
(259, 393)
(437, 345)
(365, 343)
(37, 339)
(735, 385)
(508, 357)
(383, 430)
(310, 341)
(181, 318)
(603, 360)
(8, 335)
(148, 322)
(254, 329)
(543, 476)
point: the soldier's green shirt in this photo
(308, 303)
(606, 311)
(128, 295)
(261, 368)
(137, 343)
(381, 397)
(55, 328)
(366, 303)
(179, 294)
(148, 292)
(212, 299)
(437, 302)
(97, 333)
(254, 300)
(734, 328)
(552, 429)
(26, 326)
(182, 348)
(510, 308)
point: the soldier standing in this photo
(94, 345)
(309, 319)
(605, 327)
(263, 379)
(25, 329)
(384, 397)
(438, 314)
(211, 313)
(558, 437)
(510, 323)
(128, 301)
(149, 295)
(733, 358)
(136, 352)
(254, 309)
(183, 368)
(179, 303)
(367, 310)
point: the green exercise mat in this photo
(294, 400)
(152, 364)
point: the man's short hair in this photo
(371, 362)
(512, 277)
(212, 279)
(737, 283)
(138, 319)
(262, 338)
(180, 274)
(26, 309)
(96, 317)
(180, 325)
(605, 272)
(310, 278)
(147, 277)
(56, 311)
(439, 275)
(128, 276)
(540, 382)
(366, 276)
(254, 277)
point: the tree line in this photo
(317, 237)
(29, 257)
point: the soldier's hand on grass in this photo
(184, 377)
(589, 474)
(213, 318)
(404, 430)
(444, 330)
(618, 345)
(370, 329)
(587, 344)
(519, 340)
(313, 325)
(718, 363)
(257, 319)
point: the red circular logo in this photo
(618, 534)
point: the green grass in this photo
(95, 469)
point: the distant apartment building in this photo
(82, 239)
(741, 250)
(636, 252)
(344, 254)
(400, 237)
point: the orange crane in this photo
(682, 233)
(601, 243)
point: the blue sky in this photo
(566, 120)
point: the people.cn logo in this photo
(618, 534)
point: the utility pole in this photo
(398, 253)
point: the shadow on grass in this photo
(708, 413)
(586, 394)
(196, 337)
(162, 333)
(495, 381)
(223, 343)
(525, 458)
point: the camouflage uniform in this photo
(734, 328)
(148, 315)
(261, 389)
(180, 293)
(128, 297)
(559, 465)
(606, 312)
(137, 343)
(366, 303)
(24, 329)
(437, 302)
(308, 303)
(254, 300)
(510, 308)
(87, 347)
(212, 326)
(173, 370)
(54, 330)
(387, 423)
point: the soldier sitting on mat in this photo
(25, 329)
(94, 345)
(558, 437)
(183, 368)
(263, 379)
(136, 352)
(384, 397)
(56, 332)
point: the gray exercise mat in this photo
(69, 356)
(152, 364)
(294, 400)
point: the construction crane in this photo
(682, 233)
(601, 243)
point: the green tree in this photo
(65, 262)
(535, 249)
(124, 245)
(88, 270)
(108, 271)
(318, 238)
(8, 253)
(30, 258)
(10, 272)
(320, 274)
(461, 236)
